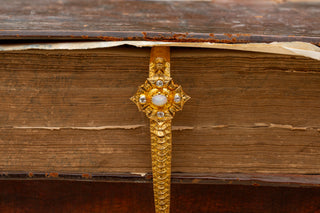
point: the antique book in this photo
(71, 139)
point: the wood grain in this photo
(69, 111)
(230, 21)
(35, 196)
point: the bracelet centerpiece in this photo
(159, 97)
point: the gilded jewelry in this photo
(159, 97)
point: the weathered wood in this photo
(252, 179)
(229, 21)
(69, 111)
(84, 196)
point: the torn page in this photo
(286, 48)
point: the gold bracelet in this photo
(159, 97)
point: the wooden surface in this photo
(252, 179)
(230, 21)
(69, 111)
(83, 196)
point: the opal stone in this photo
(159, 100)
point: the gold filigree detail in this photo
(171, 99)
(159, 67)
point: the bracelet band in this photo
(159, 97)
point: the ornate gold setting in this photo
(160, 98)
(169, 89)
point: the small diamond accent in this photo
(159, 83)
(142, 99)
(177, 98)
(160, 114)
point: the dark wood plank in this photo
(69, 111)
(84, 196)
(229, 21)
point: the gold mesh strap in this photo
(161, 163)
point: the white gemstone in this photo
(142, 99)
(159, 100)
(177, 98)
(160, 114)
(159, 83)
